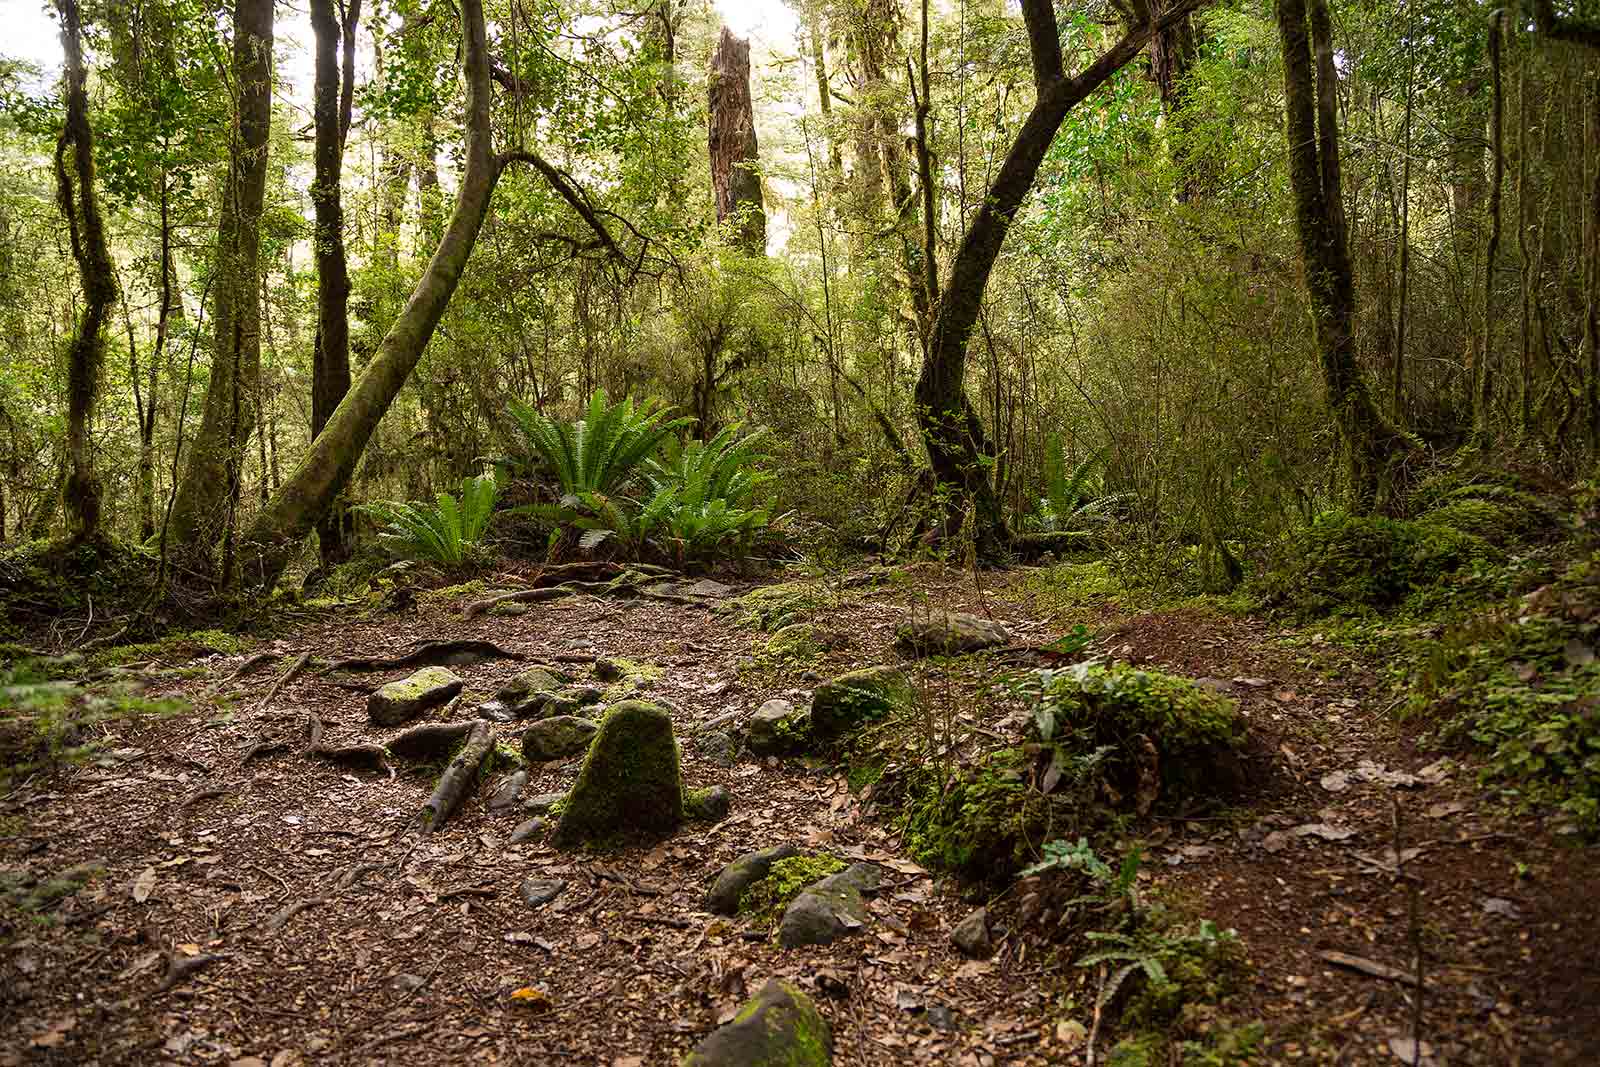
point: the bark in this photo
(1483, 371)
(950, 427)
(332, 99)
(460, 777)
(209, 491)
(735, 179)
(1374, 450)
(75, 192)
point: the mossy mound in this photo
(186, 646)
(984, 825)
(853, 699)
(779, 1027)
(43, 581)
(1342, 563)
(766, 898)
(630, 784)
(770, 608)
(797, 641)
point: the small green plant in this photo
(448, 532)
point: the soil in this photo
(344, 936)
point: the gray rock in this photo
(971, 936)
(741, 874)
(717, 747)
(400, 702)
(830, 909)
(527, 830)
(777, 726)
(708, 805)
(779, 1027)
(541, 804)
(536, 892)
(583, 696)
(608, 671)
(557, 738)
(533, 680)
(853, 699)
(507, 792)
(629, 784)
(949, 633)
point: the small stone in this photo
(708, 805)
(536, 892)
(776, 726)
(608, 671)
(557, 738)
(741, 874)
(717, 747)
(527, 830)
(543, 802)
(405, 700)
(948, 633)
(507, 792)
(779, 1027)
(830, 909)
(971, 936)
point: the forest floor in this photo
(344, 937)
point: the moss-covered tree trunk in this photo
(332, 99)
(209, 489)
(950, 426)
(86, 353)
(1374, 450)
(735, 180)
(316, 483)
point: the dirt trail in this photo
(344, 937)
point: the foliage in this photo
(601, 452)
(983, 824)
(449, 531)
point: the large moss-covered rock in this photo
(779, 1027)
(949, 633)
(852, 699)
(408, 699)
(557, 738)
(630, 784)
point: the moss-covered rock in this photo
(557, 737)
(949, 633)
(629, 785)
(784, 874)
(829, 909)
(772, 607)
(741, 874)
(984, 825)
(779, 1027)
(847, 702)
(797, 641)
(710, 804)
(777, 727)
(408, 699)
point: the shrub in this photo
(600, 453)
(448, 531)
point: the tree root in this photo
(249, 666)
(180, 967)
(278, 919)
(431, 654)
(430, 741)
(628, 582)
(361, 757)
(521, 596)
(459, 777)
(285, 678)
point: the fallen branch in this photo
(521, 596)
(431, 654)
(459, 777)
(180, 967)
(285, 678)
(266, 745)
(1370, 968)
(279, 918)
(249, 666)
(209, 793)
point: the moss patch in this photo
(765, 900)
(770, 608)
(185, 645)
(985, 824)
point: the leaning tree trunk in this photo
(950, 426)
(210, 487)
(1375, 452)
(86, 231)
(732, 140)
(332, 100)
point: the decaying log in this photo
(431, 654)
(459, 777)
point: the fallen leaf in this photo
(1336, 782)
(1502, 907)
(144, 885)
(1324, 831)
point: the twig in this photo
(660, 920)
(279, 918)
(209, 793)
(254, 663)
(180, 967)
(294, 668)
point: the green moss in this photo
(770, 608)
(862, 775)
(187, 645)
(766, 899)
(475, 588)
(984, 825)
(629, 784)
(1116, 702)
(797, 641)
(851, 700)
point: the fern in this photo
(601, 452)
(448, 531)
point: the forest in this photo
(780, 533)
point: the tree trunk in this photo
(950, 426)
(735, 179)
(209, 491)
(1374, 450)
(81, 491)
(1173, 52)
(332, 99)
